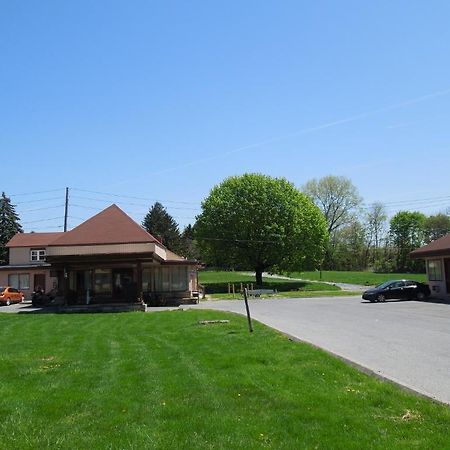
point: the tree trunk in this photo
(259, 273)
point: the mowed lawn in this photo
(161, 380)
(217, 281)
(363, 278)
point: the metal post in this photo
(249, 319)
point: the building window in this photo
(37, 255)
(171, 279)
(434, 270)
(147, 280)
(179, 278)
(102, 281)
(19, 280)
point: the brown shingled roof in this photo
(110, 226)
(33, 239)
(438, 247)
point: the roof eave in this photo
(429, 253)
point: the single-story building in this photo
(108, 258)
(437, 258)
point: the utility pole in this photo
(66, 209)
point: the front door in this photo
(447, 273)
(39, 282)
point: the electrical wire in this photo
(37, 192)
(42, 220)
(129, 203)
(135, 198)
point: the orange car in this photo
(10, 295)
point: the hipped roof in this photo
(438, 247)
(33, 239)
(110, 226)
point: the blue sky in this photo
(163, 100)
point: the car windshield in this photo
(384, 285)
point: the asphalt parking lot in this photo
(405, 341)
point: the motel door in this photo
(39, 281)
(447, 273)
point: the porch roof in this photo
(439, 247)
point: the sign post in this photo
(249, 319)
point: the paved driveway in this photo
(405, 341)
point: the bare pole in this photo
(66, 208)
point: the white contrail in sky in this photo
(323, 126)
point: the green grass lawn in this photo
(364, 278)
(161, 380)
(217, 282)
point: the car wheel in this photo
(8, 301)
(420, 296)
(381, 298)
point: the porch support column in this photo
(66, 285)
(139, 281)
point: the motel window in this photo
(165, 280)
(146, 280)
(434, 270)
(19, 280)
(162, 279)
(179, 278)
(37, 254)
(102, 281)
(171, 279)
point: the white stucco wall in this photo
(101, 249)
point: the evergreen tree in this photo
(159, 223)
(189, 244)
(9, 226)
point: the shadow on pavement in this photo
(441, 301)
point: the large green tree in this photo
(9, 225)
(255, 221)
(350, 247)
(407, 231)
(436, 226)
(159, 223)
(338, 199)
(376, 225)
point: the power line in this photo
(41, 220)
(135, 198)
(412, 201)
(47, 228)
(42, 209)
(35, 193)
(38, 200)
(128, 203)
